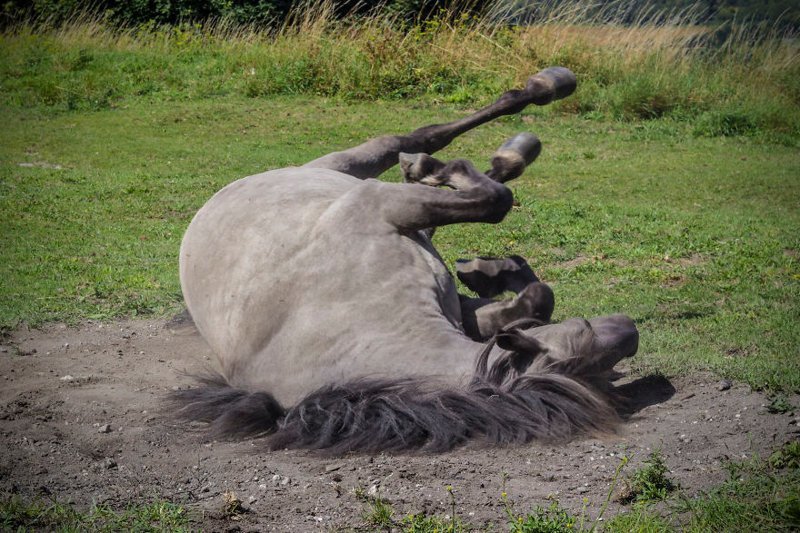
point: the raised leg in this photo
(372, 158)
(414, 206)
(483, 317)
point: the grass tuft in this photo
(19, 515)
(650, 483)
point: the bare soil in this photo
(81, 421)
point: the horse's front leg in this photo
(484, 316)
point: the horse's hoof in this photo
(551, 84)
(525, 145)
(490, 277)
(420, 168)
(510, 160)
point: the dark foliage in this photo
(780, 13)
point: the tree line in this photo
(784, 14)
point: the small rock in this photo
(109, 463)
(251, 499)
(285, 481)
(105, 428)
(333, 467)
(67, 378)
(583, 489)
(276, 479)
(725, 384)
(373, 491)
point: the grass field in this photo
(696, 238)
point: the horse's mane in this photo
(500, 405)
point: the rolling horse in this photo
(337, 326)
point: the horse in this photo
(337, 326)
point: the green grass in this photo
(18, 515)
(696, 238)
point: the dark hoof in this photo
(551, 84)
(490, 277)
(513, 156)
(526, 145)
(420, 168)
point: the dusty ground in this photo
(80, 422)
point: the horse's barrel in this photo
(551, 84)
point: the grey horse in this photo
(337, 326)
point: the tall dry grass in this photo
(660, 64)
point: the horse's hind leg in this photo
(372, 158)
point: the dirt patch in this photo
(81, 423)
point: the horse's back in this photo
(292, 279)
(243, 244)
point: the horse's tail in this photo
(500, 405)
(229, 412)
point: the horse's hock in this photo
(337, 326)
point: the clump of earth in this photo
(83, 422)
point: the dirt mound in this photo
(81, 423)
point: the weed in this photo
(421, 523)
(649, 483)
(552, 519)
(380, 514)
(232, 506)
(788, 457)
(779, 404)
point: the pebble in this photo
(583, 489)
(725, 384)
(105, 428)
(67, 378)
(280, 480)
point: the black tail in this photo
(229, 412)
(501, 405)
